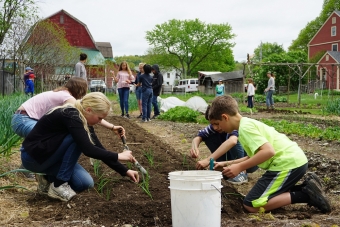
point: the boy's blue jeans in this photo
(124, 99)
(155, 105)
(146, 103)
(62, 165)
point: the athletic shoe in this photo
(43, 184)
(140, 116)
(127, 116)
(239, 179)
(64, 192)
(155, 116)
(143, 120)
(122, 115)
(28, 175)
(149, 119)
(311, 175)
(317, 196)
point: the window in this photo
(61, 19)
(327, 57)
(335, 47)
(168, 75)
(333, 31)
(333, 20)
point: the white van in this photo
(190, 85)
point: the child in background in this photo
(220, 88)
(284, 161)
(29, 88)
(250, 93)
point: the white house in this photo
(169, 77)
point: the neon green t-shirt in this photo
(253, 134)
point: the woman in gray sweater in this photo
(270, 91)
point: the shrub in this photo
(180, 114)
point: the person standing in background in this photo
(146, 79)
(250, 93)
(28, 71)
(220, 88)
(270, 91)
(29, 88)
(80, 67)
(156, 87)
(139, 89)
(123, 79)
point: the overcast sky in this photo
(124, 23)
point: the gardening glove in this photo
(126, 155)
(134, 176)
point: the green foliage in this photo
(267, 49)
(132, 60)
(145, 185)
(149, 156)
(333, 107)
(180, 114)
(15, 185)
(303, 129)
(188, 43)
(8, 138)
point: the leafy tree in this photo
(11, 9)
(132, 60)
(190, 42)
(264, 50)
(307, 33)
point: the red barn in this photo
(326, 41)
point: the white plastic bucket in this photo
(195, 198)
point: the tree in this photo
(11, 9)
(264, 50)
(190, 42)
(307, 33)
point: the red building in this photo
(326, 41)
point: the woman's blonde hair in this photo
(98, 103)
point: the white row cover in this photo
(195, 103)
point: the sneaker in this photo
(311, 175)
(155, 116)
(148, 119)
(64, 192)
(143, 120)
(43, 184)
(317, 196)
(27, 174)
(122, 115)
(127, 116)
(239, 179)
(140, 116)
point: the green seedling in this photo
(145, 185)
(96, 167)
(149, 156)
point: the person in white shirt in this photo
(250, 93)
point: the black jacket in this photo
(157, 81)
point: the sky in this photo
(124, 23)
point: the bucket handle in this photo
(224, 196)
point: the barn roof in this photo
(106, 49)
(94, 57)
(226, 76)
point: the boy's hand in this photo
(218, 166)
(202, 164)
(232, 170)
(194, 152)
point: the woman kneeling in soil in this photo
(60, 137)
(284, 161)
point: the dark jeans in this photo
(62, 165)
(155, 105)
(124, 99)
(269, 98)
(250, 101)
(146, 103)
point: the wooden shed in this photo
(233, 82)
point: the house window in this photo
(335, 47)
(61, 19)
(327, 57)
(168, 75)
(333, 32)
(333, 20)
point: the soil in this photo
(116, 201)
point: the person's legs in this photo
(271, 191)
(126, 93)
(22, 124)
(144, 104)
(155, 105)
(269, 99)
(149, 108)
(121, 100)
(139, 100)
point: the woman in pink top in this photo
(27, 115)
(123, 79)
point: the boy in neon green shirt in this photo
(284, 161)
